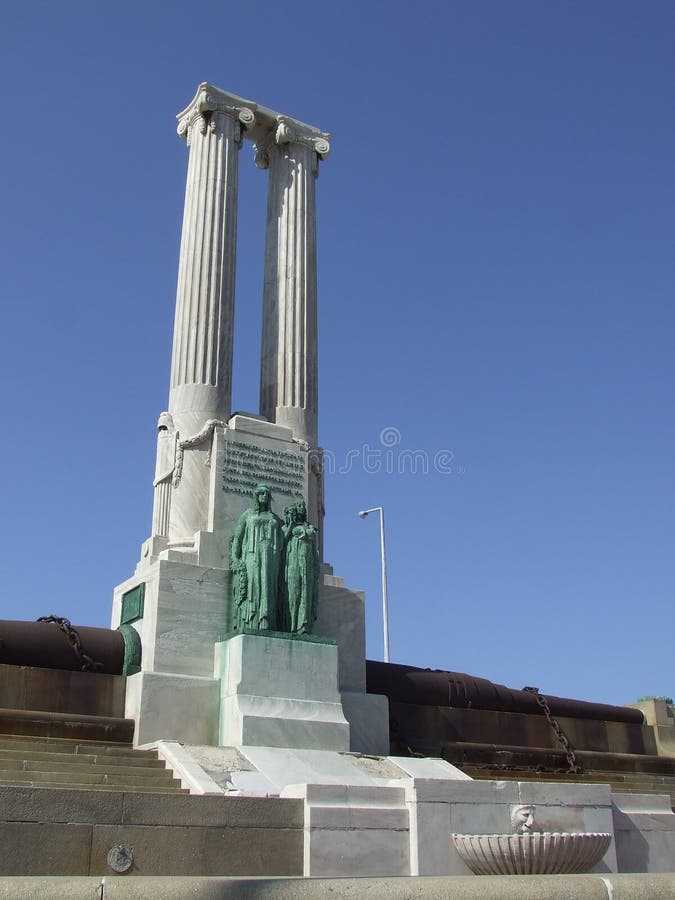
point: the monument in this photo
(236, 658)
(232, 579)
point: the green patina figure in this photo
(300, 571)
(255, 559)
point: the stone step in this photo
(58, 765)
(64, 745)
(9, 776)
(647, 779)
(659, 785)
(487, 773)
(620, 782)
(597, 776)
(642, 789)
(584, 775)
(96, 759)
(59, 785)
(516, 758)
(36, 723)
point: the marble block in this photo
(353, 830)
(644, 831)
(252, 424)
(368, 717)
(172, 707)
(341, 617)
(183, 615)
(279, 691)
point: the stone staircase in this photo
(99, 766)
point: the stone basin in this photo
(534, 853)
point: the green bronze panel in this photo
(132, 604)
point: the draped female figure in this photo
(301, 571)
(255, 561)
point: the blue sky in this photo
(496, 283)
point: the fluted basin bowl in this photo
(536, 853)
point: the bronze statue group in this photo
(275, 568)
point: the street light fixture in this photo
(385, 608)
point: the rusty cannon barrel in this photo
(56, 644)
(434, 687)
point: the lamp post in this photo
(385, 608)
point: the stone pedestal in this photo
(184, 613)
(280, 691)
(187, 608)
(179, 619)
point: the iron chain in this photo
(85, 661)
(573, 766)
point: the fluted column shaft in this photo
(289, 357)
(201, 364)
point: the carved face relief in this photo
(522, 819)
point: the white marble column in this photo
(288, 366)
(201, 365)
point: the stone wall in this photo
(71, 832)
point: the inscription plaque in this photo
(246, 465)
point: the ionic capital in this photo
(207, 108)
(289, 131)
